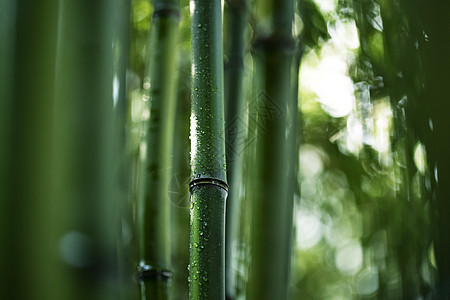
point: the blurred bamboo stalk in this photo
(85, 148)
(179, 192)
(126, 245)
(236, 15)
(272, 186)
(27, 54)
(7, 47)
(436, 62)
(153, 214)
(208, 173)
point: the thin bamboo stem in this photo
(179, 197)
(236, 14)
(153, 204)
(7, 36)
(125, 242)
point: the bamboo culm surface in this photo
(271, 184)
(208, 174)
(236, 15)
(153, 212)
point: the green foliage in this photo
(314, 25)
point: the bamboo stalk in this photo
(273, 199)
(7, 38)
(27, 51)
(153, 203)
(236, 14)
(85, 151)
(125, 239)
(208, 173)
(436, 64)
(179, 193)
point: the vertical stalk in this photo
(236, 12)
(27, 57)
(437, 71)
(125, 239)
(295, 125)
(179, 194)
(84, 148)
(153, 204)
(7, 43)
(273, 199)
(208, 173)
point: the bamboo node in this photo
(210, 181)
(147, 273)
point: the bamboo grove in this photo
(236, 149)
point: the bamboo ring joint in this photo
(210, 181)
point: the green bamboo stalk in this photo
(125, 239)
(410, 122)
(85, 151)
(208, 173)
(436, 64)
(295, 136)
(179, 194)
(27, 50)
(236, 14)
(7, 42)
(153, 203)
(273, 199)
